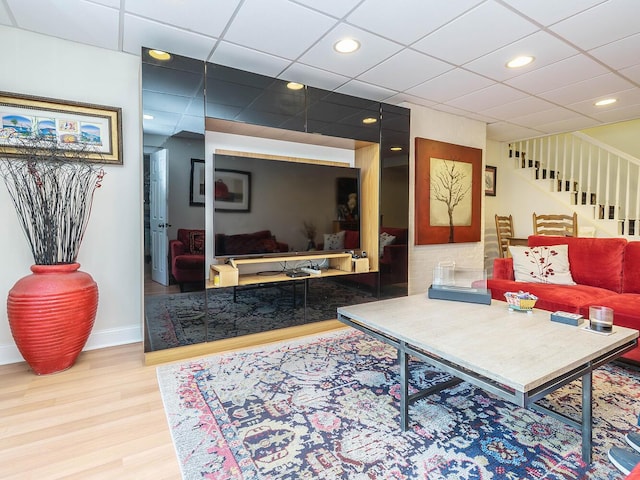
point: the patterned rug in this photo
(179, 319)
(326, 407)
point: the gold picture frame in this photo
(69, 123)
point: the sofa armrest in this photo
(282, 247)
(176, 247)
(503, 268)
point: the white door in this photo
(158, 188)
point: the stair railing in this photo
(593, 173)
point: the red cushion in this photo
(351, 239)
(568, 298)
(593, 261)
(631, 275)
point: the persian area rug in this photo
(182, 319)
(326, 407)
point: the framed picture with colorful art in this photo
(96, 129)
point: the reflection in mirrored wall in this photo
(174, 211)
(257, 199)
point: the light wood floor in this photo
(101, 419)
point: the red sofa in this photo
(248, 243)
(186, 257)
(606, 272)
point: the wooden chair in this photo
(504, 230)
(562, 225)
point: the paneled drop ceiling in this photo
(446, 55)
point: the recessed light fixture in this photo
(295, 86)
(604, 102)
(396, 149)
(369, 120)
(159, 55)
(520, 61)
(146, 116)
(346, 45)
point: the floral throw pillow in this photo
(196, 243)
(334, 241)
(542, 264)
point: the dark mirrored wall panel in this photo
(344, 116)
(174, 192)
(394, 198)
(247, 97)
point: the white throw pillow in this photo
(385, 239)
(334, 241)
(542, 264)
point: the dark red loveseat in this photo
(606, 271)
(186, 256)
(248, 243)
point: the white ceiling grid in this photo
(449, 56)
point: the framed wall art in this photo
(448, 192)
(97, 129)
(490, 180)
(232, 190)
(197, 192)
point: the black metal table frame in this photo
(522, 399)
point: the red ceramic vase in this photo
(51, 314)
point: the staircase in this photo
(597, 181)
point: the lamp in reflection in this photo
(159, 55)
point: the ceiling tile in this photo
(386, 73)
(375, 16)
(517, 107)
(558, 75)
(315, 77)
(492, 96)
(373, 50)
(534, 120)
(470, 36)
(567, 125)
(108, 3)
(548, 12)
(335, 8)
(74, 20)
(621, 54)
(139, 33)
(243, 58)
(287, 33)
(590, 89)
(4, 16)
(628, 113)
(211, 17)
(625, 99)
(633, 73)
(360, 89)
(450, 85)
(546, 49)
(506, 132)
(401, 98)
(602, 24)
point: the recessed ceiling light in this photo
(159, 55)
(606, 101)
(146, 116)
(396, 149)
(520, 61)
(369, 120)
(295, 86)
(346, 45)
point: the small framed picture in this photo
(196, 185)
(490, 181)
(232, 190)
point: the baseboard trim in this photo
(111, 337)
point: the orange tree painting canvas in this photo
(449, 184)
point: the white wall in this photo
(444, 127)
(112, 248)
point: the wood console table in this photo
(232, 272)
